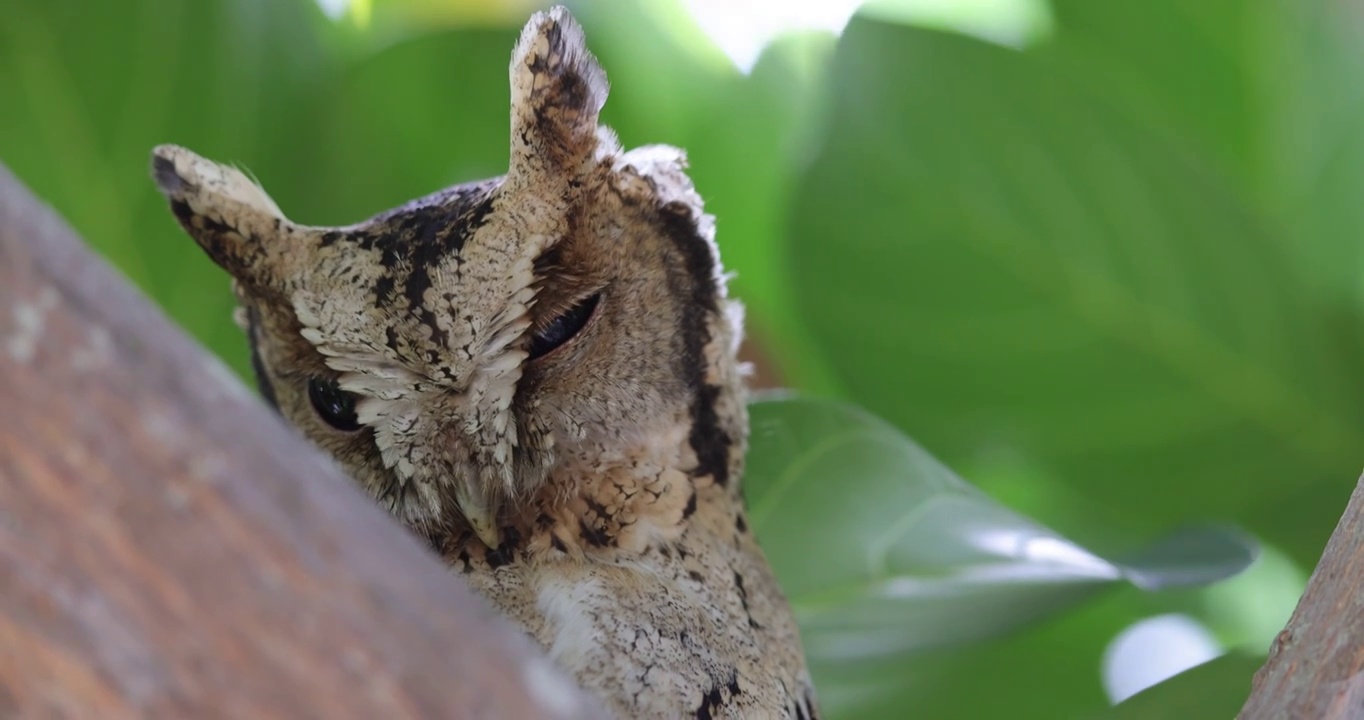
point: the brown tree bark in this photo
(169, 548)
(1315, 668)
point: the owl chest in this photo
(663, 634)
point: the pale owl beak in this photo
(482, 516)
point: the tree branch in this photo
(170, 548)
(1314, 667)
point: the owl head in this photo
(455, 352)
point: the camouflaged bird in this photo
(537, 373)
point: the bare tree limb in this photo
(1315, 665)
(169, 548)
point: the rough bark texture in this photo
(170, 549)
(1314, 668)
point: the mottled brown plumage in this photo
(537, 374)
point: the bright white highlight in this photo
(742, 28)
(334, 9)
(1051, 553)
(1152, 650)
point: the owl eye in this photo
(562, 328)
(335, 406)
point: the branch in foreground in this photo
(170, 548)
(1314, 667)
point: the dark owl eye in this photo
(335, 406)
(562, 329)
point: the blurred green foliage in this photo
(1214, 689)
(1112, 278)
(888, 580)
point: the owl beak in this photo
(486, 530)
(482, 516)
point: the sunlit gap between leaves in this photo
(742, 28)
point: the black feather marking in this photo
(263, 384)
(708, 440)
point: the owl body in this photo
(537, 375)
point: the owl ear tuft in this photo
(557, 93)
(231, 218)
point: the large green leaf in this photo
(1215, 689)
(419, 115)
(91, 87)
(1261, 95)
(1044, 671)
(1259, 92)
(885, 554)
(1001, 260)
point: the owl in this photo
(537, 375)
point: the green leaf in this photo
(999, 259)
(1259, 92)
(92, 87)
(884, 553)
(418, 116)
(1216, 689)
(1044, 671)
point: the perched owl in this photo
(536, 373)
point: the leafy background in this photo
(1099, 259)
